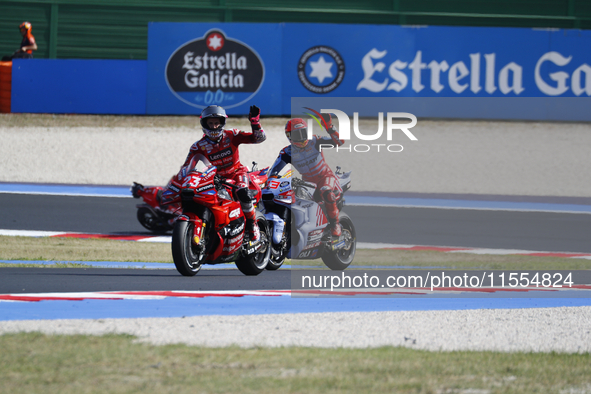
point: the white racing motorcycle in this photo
(306, 235)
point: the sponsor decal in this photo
(214, 69)
(231, 248)
(308, 254)
(235, 213)
(221, 155)
(254, 248)
(313, 245)
(229, 231)
(321, 69)
(232, 244)
(304, 254)
(316, 232)
(203, 188)
(233, 241)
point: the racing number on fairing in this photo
(192, 181)
(273, 184)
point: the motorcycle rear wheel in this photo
(188, 257)
(340, 259)
(256, 263)
(151, 221)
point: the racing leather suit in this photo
(309, 161)
(224, 155)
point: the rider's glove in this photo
(254, 114)
(328, 123)
(254, 118)
(327, 120)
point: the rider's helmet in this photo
(296, 131)
(25, 26)
(213, 111)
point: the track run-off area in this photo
(115, 292)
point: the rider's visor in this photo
(299, 135)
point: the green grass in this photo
(72, 249)
(35, 363)
(67, 250)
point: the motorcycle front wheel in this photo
(340, 259)
(188, 257)
(256, 263)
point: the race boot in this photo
(246, 203)
(253, 231)
(171, 222)
(335, 233)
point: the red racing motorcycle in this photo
(158, 217)
(151, 213)
(211, 226)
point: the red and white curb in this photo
(452, 249)
(160, 295)
(135, 295)
(360, 245)
(65, 234)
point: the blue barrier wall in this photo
(192, 65)
(79, 86)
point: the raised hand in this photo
(254, 114)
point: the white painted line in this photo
(28, 233)
(159, 239)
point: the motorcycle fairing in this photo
(278, 226)
(310, 222)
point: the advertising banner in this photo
(435, 61)
(193, 65)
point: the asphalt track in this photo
(529, 228)
(551, 226)
(53, 280)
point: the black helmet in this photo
(213, 111)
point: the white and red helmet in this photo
(296, 131)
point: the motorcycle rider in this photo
(307, 158)
(219, 147)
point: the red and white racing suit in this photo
(224, 155)
(309, 161)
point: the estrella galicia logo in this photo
(321, 69)
(214, 69)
